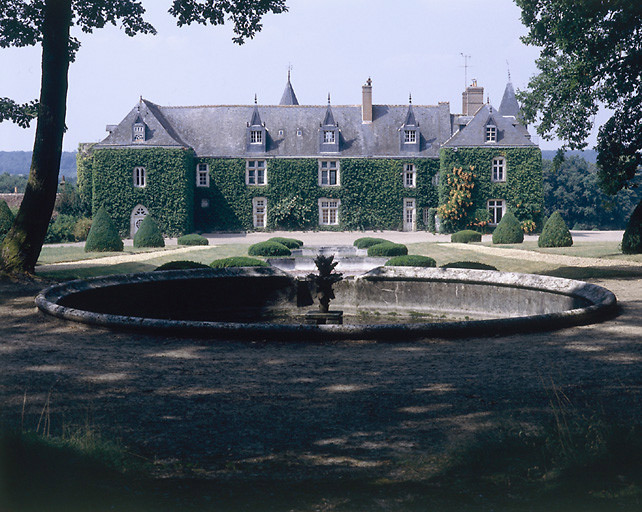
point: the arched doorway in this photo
(138, 214)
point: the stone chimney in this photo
(366, 104)
(472, 99)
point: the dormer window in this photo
(138, 132)
(256, 137)
(328, 132)
(410, 136)
(491, 133)
(328, 136)
(409, 133)
(256, 133)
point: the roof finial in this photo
(488, 99)
(328, 98)
(255, 99)
(289, 70)
(508, 67)
(410, 98)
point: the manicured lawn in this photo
(60, 254)
(610, 250)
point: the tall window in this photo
(499, 169)
(329, 211)
(496, 208)
(491, 133)
(410, 136)
(256, 172)
(202, 175)
(140, 177)
(259, 211)
(328, 173)
(328, 136)
(256, 136)
(409, 176)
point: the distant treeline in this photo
(19, 162)
(590, 155)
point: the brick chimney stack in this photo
(366, 104)
(472, 99)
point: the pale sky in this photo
(407, 46)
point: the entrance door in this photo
(138, 214)
(409, 215)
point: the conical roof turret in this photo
(289, 98)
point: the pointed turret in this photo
(289, 98)
(509, 105)
(328, 120)
(410, 116)
(256, 117)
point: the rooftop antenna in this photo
(465, 66)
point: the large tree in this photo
(591, 58)
(48, 22)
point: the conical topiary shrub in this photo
(148, 234)
(6, 219)
(103, 235)
(555, 233)
(508, 231)
(632, 239)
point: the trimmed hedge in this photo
(466, 236)
(411, 260)
(238, 261)
(193, 239)
(365, 242)
(268, 249)
(180, 265)
(6, 219)
(148, 234)
(103, 235)
(632, 239)
(473, 265)
(387, 249)
(555, 233)
(508, 231)
(290, 243)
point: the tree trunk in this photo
(21, 248)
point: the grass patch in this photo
(60, 254)
(609, 250)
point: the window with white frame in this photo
(256, 136)
(259, 211)
(409, 176)
(328, 136)
(140, 177)
(496, 208)
(139, 132)
(410, 136)
(202, 175)
(255, 172)
(499, 169)
(329, 211)
(491, 133)
(328, 173)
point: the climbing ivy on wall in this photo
(168, 194)
(371, 194)
(84, 162)
(522, 189)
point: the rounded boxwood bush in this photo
(148, 234)
(632, 239)
(387, 249)
(103, 235)
(268, 249)
(466, 236)
(290, 243)
(238, 261)
(555, 233)
(365, 242)
(411, 260)
(508, 231)
(193, 239)
(474, 265)
(180, 265)
(6, 219)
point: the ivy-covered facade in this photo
(287, 166)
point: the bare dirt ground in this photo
(240, 409)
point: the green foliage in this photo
(555, 233)
(508, 231)
(522, 189)
(466, 236)
(292, 212)
(168, 194)
(367, 241)
(148, 234)
(6, 219)
(290, 243)
(192, 239)
(571, 186)
(61, 229)
(431, 225)
(411, 260)
(81, 229)
(238, 261)
(268, 249)
(632, 239)
(9, 183)
(103, 235)
(474, 265)
(180, 265)
(387, 249)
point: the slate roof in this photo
(509, 105)
(289, 98)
